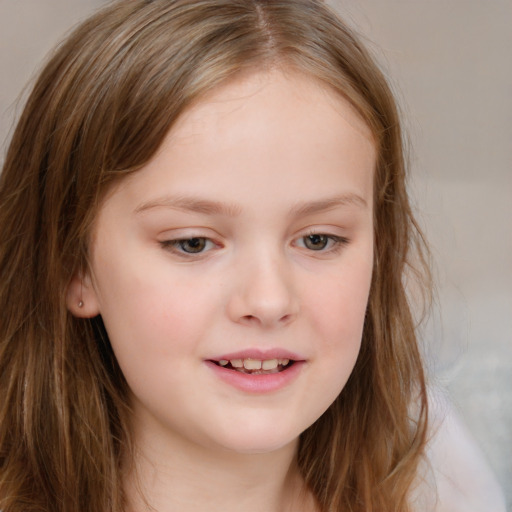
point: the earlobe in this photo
(81, 297)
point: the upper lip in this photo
(259, 354)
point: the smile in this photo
(258, 371)
(255, 366)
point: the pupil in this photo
(316, 242)
(193, 244)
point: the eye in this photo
(194, 245)
(316, 242)
(321, 242)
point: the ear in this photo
(81, 298)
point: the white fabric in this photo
(457, 477)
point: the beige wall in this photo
(451, 65)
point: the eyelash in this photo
(337, 243)
(176, 245)
(334, 243)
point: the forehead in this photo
(312, 100)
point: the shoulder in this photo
(455, 476)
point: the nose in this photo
(264, 292)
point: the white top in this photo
(459, 478)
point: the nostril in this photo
(254, 318)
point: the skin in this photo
(263, 162)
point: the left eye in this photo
(320, 241)
(194, 245)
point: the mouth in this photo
(256, 371)
(250, 366)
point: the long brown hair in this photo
(100, 110)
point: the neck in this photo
(181, 476)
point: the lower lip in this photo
(263, 383)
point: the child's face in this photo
(248, 236)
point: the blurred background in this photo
(450, 65)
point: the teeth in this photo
(269, 365)
(252, 364)
(255, 364)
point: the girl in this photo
(205, 235)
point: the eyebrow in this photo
(192, 204)
(209, 207)
(322, 205)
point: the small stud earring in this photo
(81, 302)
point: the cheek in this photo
(340, 304)
(336, 313)
(338, 309)
(153, 329)
(154, 314)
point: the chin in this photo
(257, 441)
(260, 448)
